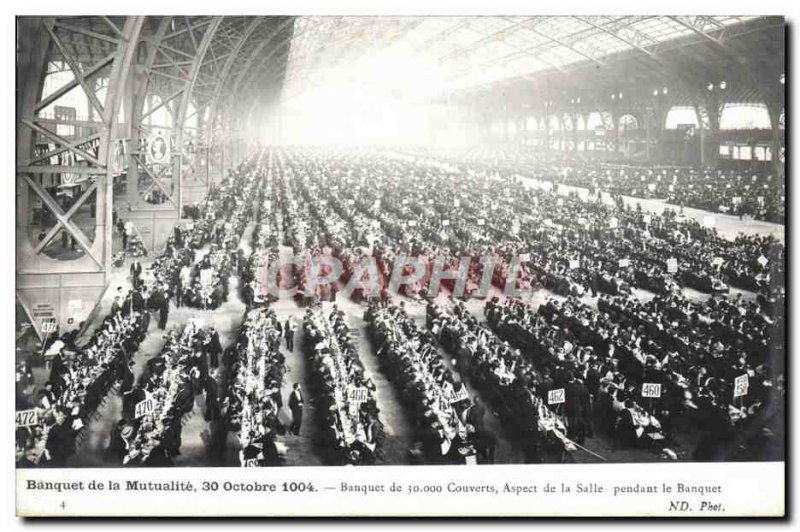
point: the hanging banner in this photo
(158, 149)
(118, 157)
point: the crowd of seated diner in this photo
(253, 263)
(759, 195)
(594, 368)
(575, 245)
(80, 377)
(346, 401)
(696, 371)
(436, 401)
(511, 384)
(208, 282)
(366, 204)
(205, 285)
(256, 368)
(154, 411)
(77, 385)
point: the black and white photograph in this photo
(275, 242)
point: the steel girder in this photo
(165, 79)
(195, 67)
(66, 291)
(220, 123)
(231, 95)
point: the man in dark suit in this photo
(576, 406)
(136, 273)
(475, 413)
(60, 441)
(376, 435)
(296, 406)
(288, 331)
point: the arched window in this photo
(58, 75)
(628, 123)
(744, 116)
(596, 120)
(555, 123)
(680, 116)
(531, 124)
(161, 116)
(581, 123)
(497, 129)
(512, 128)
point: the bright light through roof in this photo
(350, 79)
(404, 53)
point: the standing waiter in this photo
(296, 406)
(136, 273)
(288, 332)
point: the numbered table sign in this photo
(624, 263)
(207, 276)
(460, 395)
(481, 221)
(27, 418)
(651, 389)
(524, 257)
(556, 397)
(358, 395)
(145, 407)
(741, 385)
(49, 325)
(574, 264)
(412, 223)
(445, 222)
(672, 265)
(251, 462)
(762, 260)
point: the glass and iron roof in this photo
(417, 57)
